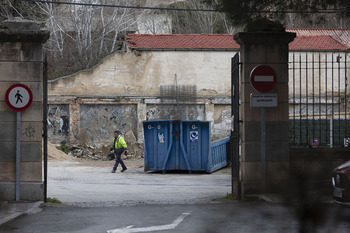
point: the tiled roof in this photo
(320, 42)
(341, 35)
(224, 42)
(182, 41)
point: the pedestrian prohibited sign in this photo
(19, 97)
(314, 142)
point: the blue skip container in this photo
(182, 145)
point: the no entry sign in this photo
(19, 97)
(263, 78)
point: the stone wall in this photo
(91, 121)
(21, 62)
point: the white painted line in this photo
(129, 229)
(263, 78)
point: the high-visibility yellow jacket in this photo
(119, 142)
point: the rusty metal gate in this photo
(318, 99)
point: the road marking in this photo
(129, 229)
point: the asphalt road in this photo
(96, 200)
(233, 216)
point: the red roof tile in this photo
(222, 42)
(320, 42)
(341, 35)
(182, 41)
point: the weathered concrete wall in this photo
(93, 121)
(141, 74)
(21, 62)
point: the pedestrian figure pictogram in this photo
(19, 97)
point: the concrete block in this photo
(250, 132)
(32, 191)
(17, 51)
(29, 191)
(251, 171)
(277, 171)
(249, 188)
(33, 113)
(6, 114)
(275, 131)
(11, 51)
(21, 71)
(30, 171)
(275, 152)
(280, 113)
(31, 131)
(251, 152)
(8, 133)
(30, 151)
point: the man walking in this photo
(119, 146)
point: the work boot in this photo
(113, 171)
(124, 169)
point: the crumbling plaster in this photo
(142, 73)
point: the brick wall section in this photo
(21, 62)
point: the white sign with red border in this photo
(19, 97)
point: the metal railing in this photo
(318, 98)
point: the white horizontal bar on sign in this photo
(263, 78)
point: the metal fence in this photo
(318, 98)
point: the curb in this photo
(34, 209)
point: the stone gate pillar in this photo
(264, 43)
(21, 62)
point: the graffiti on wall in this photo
(98, 122)
(58, 123)
(222, 123)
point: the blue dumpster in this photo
(182, 145)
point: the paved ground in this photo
(87, 183)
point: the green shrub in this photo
(64, 147)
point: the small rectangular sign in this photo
(263, 78)
(263, 100)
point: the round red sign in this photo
(263, 78)
(19, 97)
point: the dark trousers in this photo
(118, 159)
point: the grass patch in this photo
(64, 147)
(229, 197)
(53, 200)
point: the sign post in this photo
(18, 97)
(263, 78)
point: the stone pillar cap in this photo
(22, 30)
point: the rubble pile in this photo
(100, 152)
(94, 153)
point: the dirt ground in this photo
(55, 154)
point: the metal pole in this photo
(18, 156)
(263, 148)
(45, 125)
